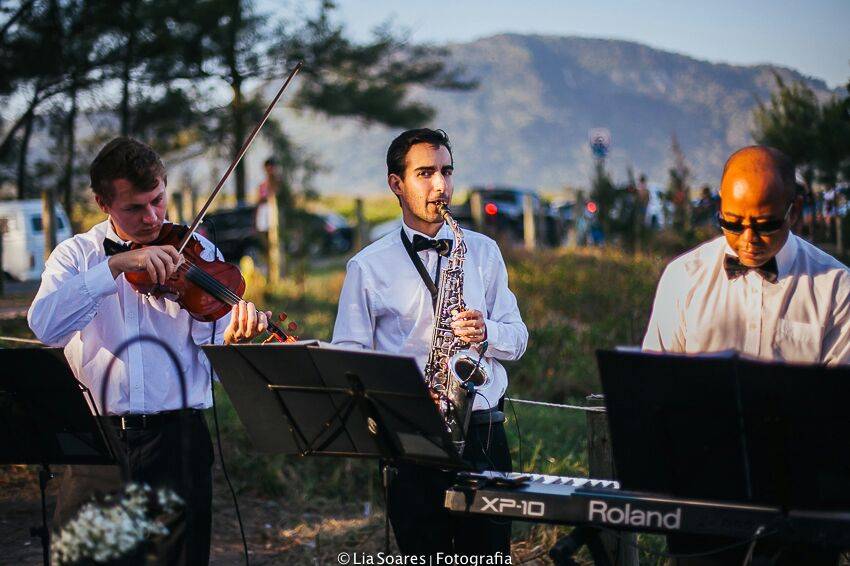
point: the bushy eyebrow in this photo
(137, 205)
(434, 168)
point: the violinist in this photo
(86, 305)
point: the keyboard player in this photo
(757, 289)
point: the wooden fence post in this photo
(621, 550)
(476, 210)
(3, 229)
(175, 208)
(360, 228)
(48, 221)
(275, 238)
(529, 228)
(187, 199)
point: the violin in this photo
(207, 290)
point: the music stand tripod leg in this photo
(44, 476)
(388, 472)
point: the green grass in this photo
(376, 208)
(573, 304)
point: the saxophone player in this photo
(387, 303)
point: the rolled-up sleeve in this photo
(507, 335)
(68, 299)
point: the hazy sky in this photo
(812, 36)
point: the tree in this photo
(369, 81)
(56, 51)
(833, 141)
(153, 68)
(789, 123)
(31, 39)
(678, 187)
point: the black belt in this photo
(154, 420)
(486, 417)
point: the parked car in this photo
(565, 212)
(23, 237)
(503, 213)
(312, 234)
(503, 216)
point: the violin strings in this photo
(227, 293)
(217, 288)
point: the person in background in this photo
(268, 186)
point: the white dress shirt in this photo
(803, 317)
(384, 304)
(80, 307)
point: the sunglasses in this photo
(763, 228)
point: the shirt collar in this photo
(113, 235)
(784, 257)
(443, 232)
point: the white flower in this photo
(115, 527)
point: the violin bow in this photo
(250, 140)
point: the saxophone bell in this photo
(467, 369)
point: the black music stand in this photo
(310, 400)
(306, 399)
(726, 427)
(45, 419)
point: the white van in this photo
(23, 240)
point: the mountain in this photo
(527, 123)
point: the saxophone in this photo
(451, 372)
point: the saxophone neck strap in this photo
(431, 284)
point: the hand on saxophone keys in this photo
(469, 326)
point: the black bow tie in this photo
(443, 245)
(734, 268)
(111, 247)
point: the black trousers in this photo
(421, 524)
(178, 455)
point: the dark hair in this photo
(125, 158)
(397, 153)
(269, 161)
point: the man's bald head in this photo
(758, 189)
(763, 161)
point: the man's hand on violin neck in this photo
(160, 262)
(246, 322)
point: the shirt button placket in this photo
(134, 369)
(752, 315)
